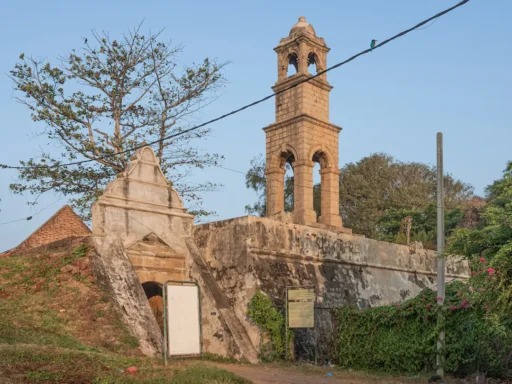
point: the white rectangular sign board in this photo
(183, 327)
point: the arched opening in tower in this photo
(293, 64)
(287, 160)
(317, 190)
(319, 185)
(312, 63)
(288, 187)
(153, 291)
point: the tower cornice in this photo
(290, 41)
(303, 117)
(317, 81)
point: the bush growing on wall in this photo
(271, 322)
(402, 338)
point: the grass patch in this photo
(126, 336)
(50, 364)
(204, 374)
(37, 309)
(21, 272)
(19, 325)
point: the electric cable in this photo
(417, 26)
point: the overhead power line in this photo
(417, 26)
(35, 214)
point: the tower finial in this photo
(302, 18)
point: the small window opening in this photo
(312, 61)
(293, 63)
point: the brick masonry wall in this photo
(65, 223)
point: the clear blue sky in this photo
(454, 76)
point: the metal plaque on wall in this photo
(301, 308)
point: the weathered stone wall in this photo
(140, 220)
(144, 217)
(141, 208)
(250, 253)
(115, 274)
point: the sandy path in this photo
(261, 374)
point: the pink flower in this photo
(440, 298)
(473, 273)
(486, 307)
(453, 308)
(491, 271)
(482, 259)
(464, 303)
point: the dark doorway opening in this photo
(154, 294)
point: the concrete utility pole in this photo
(440, 251)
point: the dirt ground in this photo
(263, 374)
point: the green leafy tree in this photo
(423, 228)
(379, 189)
(489, 248)
(377, 193)
(109, 96)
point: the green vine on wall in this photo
(403, 338)
(262, 312)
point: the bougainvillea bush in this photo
(403, 338)
(477, 314)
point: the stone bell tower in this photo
(302, 133)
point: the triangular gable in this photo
(143, 182)
(63, 224)
(150, 241)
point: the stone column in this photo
(303, 193)
(282, 66)
(275, 190)
(303, 57)
(330, 204)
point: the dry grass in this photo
(49, 364)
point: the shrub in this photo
(271, 321)
(403, 338)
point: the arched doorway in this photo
(154, 294)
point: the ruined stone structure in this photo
(143, 235)
(302, 133)
(250, 253)
(142, 209)
(141, 229)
